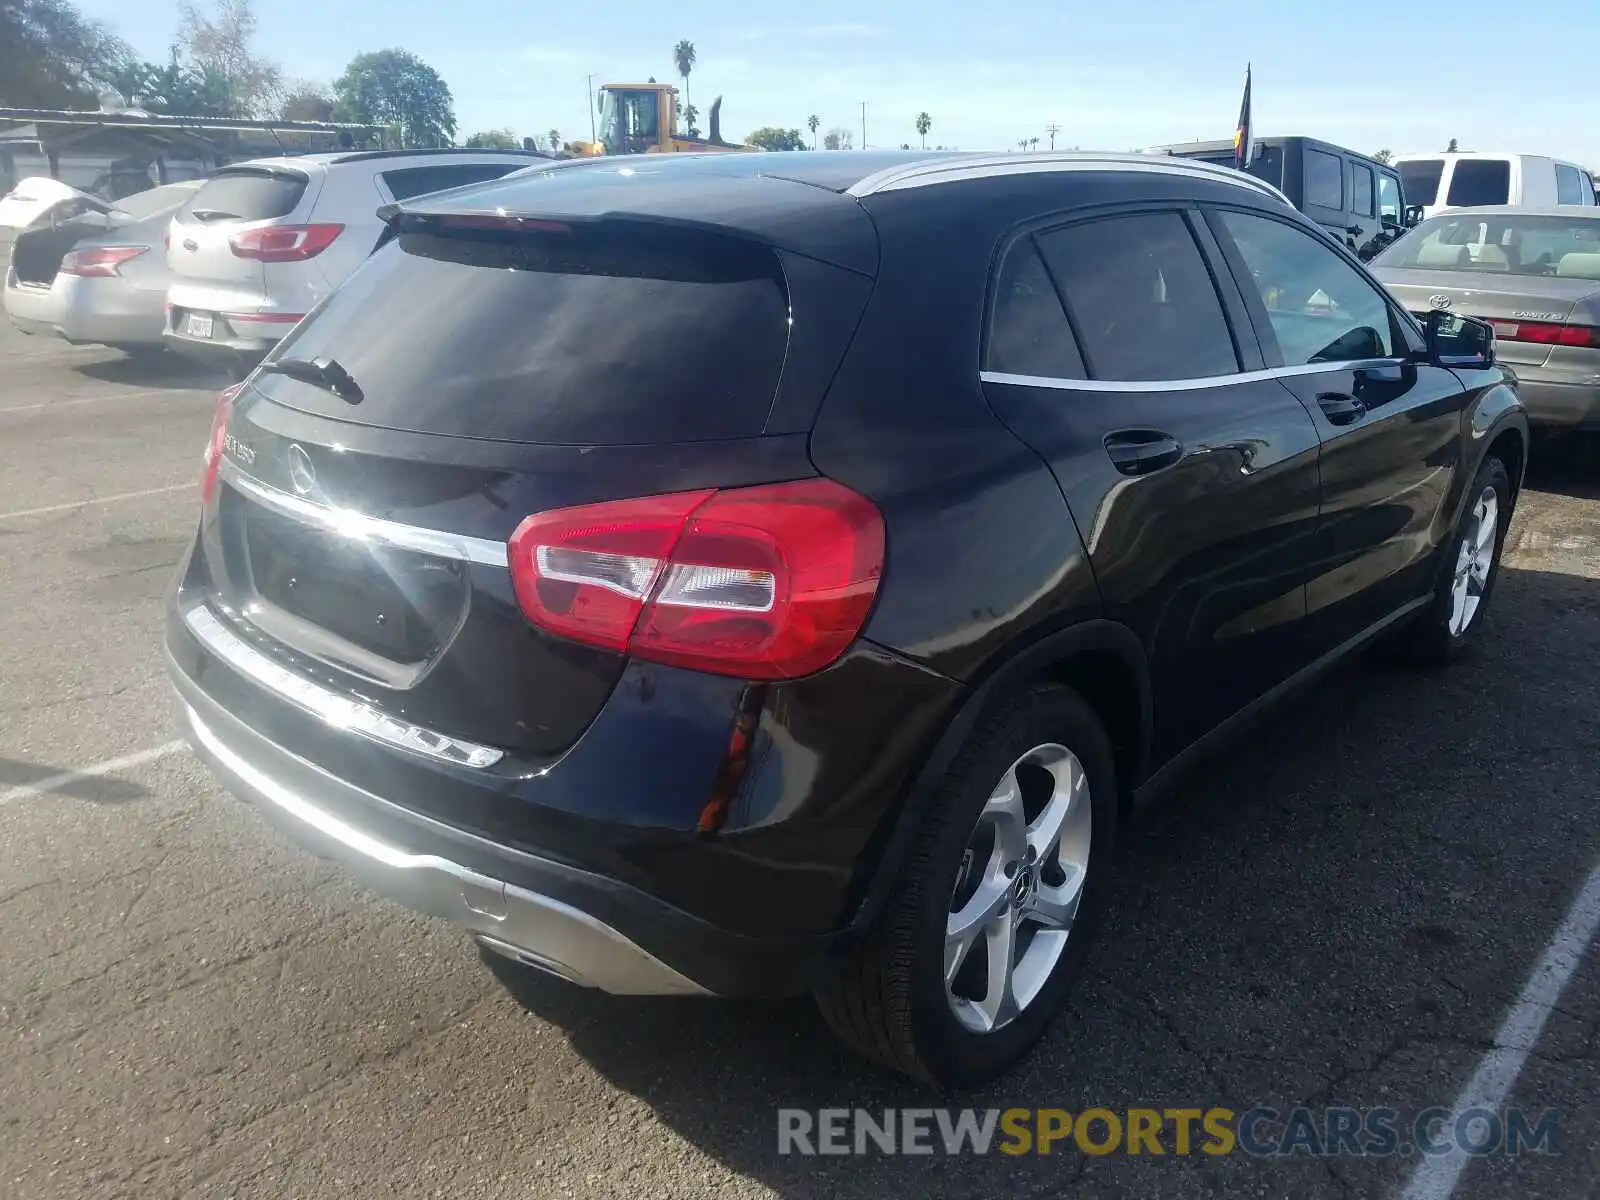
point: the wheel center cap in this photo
(1023, 888)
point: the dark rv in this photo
(783, 572)
(1356, 198)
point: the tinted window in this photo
(1388, 196)
(608, 335)
(155, 200)
(419, 181)
(1479, 181)
(1421, 180)
(1586, 183)
(1568, 188)
(1517, 244)
(1324, 179)
(245, 195)
(1029, 334)
(1360, 190)
(1141, 298)
(1321, 309)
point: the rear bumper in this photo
(237, 354)
(92, 311)
(1560, 403)
(582, 927)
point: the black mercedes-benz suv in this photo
(783, 572)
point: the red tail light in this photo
(768, 582)
(1547, 333)
(216, 441)
(99, 261)
(284, 243)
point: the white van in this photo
(1468, 179)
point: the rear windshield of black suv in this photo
(246, 194)
(613, 334)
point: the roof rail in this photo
(954, 168)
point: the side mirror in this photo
(1413, 215)
(1457, 341)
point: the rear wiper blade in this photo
(324, 373)
(213, 214)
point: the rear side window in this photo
(1569, 188)
(1324, 179)
(1420, 179)
(1389, 197)
(611, 335)
(1360, 190)
(1586, 183)
(246, 195)
(1478, 181)
(1030, 334)
(419, 181)
(1141, 298)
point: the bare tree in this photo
(838, 138)
(221, 42)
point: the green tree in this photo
(494, 139)
(770, 137)
(222, 43)
(811, 123)
(691, 120)
(554, 139)
(398, 89)
(1384, 156)
(838, 138)
(1451, 148)
(52, 56)
(176, 88)
(924, 123)
(305, 101)
(684, 57)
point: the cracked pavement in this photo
(1336, 910)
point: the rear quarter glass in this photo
(245, 195)
(609, 335)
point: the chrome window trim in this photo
(1181, 385)
(927, 174)
(361, 527)
(333, 709)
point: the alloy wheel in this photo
(1019, 887)
(1474, 562)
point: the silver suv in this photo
(262, 241)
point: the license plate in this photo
(198, 325)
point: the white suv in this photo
(262, 241)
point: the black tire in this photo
(888, 998)
(1429, 639)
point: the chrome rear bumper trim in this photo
(361, 527)
(339, 711)
(532, 928)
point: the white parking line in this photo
(1436, 1178)
(54, 783)
(145, 394)
(54, 508)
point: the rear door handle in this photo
(1341, 408)
(1140, 451)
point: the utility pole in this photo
(863, 124)
(592, 135)
(1052, 130)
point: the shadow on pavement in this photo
(100, 789)
(1567, 464)
(1337, 909)
(155, 370)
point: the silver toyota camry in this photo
(1532, 273)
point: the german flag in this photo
(1243, 142)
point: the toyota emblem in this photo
(1438, 301)
(301, 473)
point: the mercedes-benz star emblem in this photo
(1438, 301)
(301, 473)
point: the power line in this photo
(863, 124)
(1052, 130)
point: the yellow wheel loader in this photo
(642, 118)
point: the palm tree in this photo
(555, 140)
(812, 122)
(1022, 143)
(683, 56)
(1033, 143)
(924, 123)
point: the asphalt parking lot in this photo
(1342, 910)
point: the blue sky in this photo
(1113, 76)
